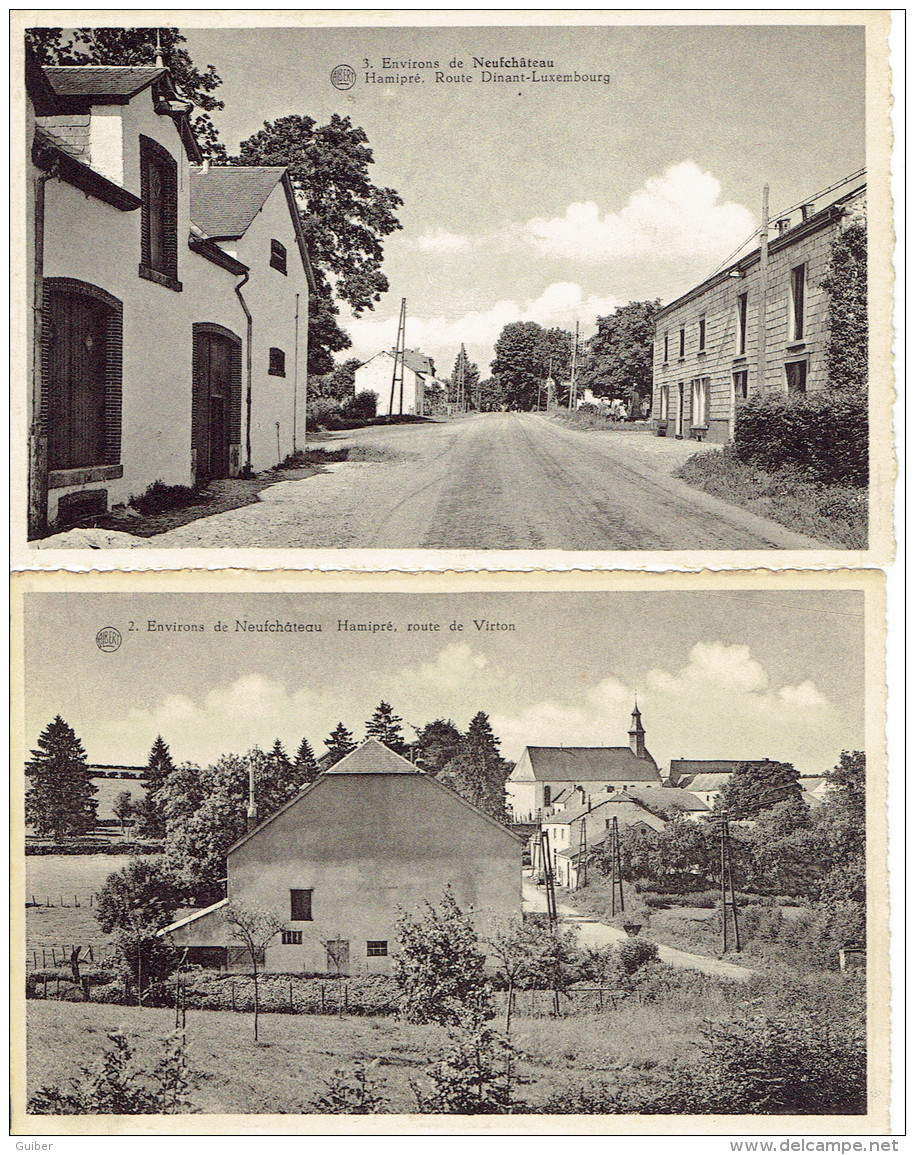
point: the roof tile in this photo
(226, 199)
(101, 80)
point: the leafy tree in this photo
(847, 783)
(439, 966)
(339, 383)
(531, 955)
(846, 284)
(59, 800)
(755, 786)
(254, 929)
(436, 744)
(117, 1085)
(344, 216)
(385, 726)
(122, 808)
(305, 765)
(339, 744)
(524, 353)
(474, 1077)
(618, 359)
(143, 894)
(143, 957)
(491, 395)
(478, 771)
(133, 46)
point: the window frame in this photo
(789, 365)
(291, 938)
(278, 256)
(702, 331)
(293, 907)
(666, 346)
(682, 345)
(741, 394)
(798, 301)
(276, 362)
(743, 311)
(161, 269)
(376, 948)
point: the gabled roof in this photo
(225, 199)
(713, 765)
(102, 82)
(590, 764)
(619, 803)
(53, 154)
(667, 798)
(373, 757)
(415, 361)
(706, 781)
(192, 917)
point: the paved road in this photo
(595, 934)
(493, 481)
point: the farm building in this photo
(170, 303)
(376, 376)
(549, 778)
(372, 836)
(756, 328)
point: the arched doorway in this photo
(216, 416)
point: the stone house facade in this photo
(711, 351)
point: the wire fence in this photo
(45, 957)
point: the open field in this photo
(297, 1053)
(73, 878)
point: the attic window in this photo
(277, 366)
(159, 215)
(278, 257)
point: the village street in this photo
(596, 935)
(490, 481)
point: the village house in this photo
(371, 837)
(757, 328)
(547, 778)
(377, 374)
(156, 338)
(706, 778)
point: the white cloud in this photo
(442, 241)
(673, 216)
(560, 304)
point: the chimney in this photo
(252, 808)
(783, 224)
(806, 212)
(205, 165)
(637, 733)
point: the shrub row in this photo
(826, 434)
(36, 848)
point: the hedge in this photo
(131, 848)
(825, 434)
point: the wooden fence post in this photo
(233, 994)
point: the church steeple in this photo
(637, 733)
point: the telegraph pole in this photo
(399, 356)
(728, 897)
(616, 869)
(572, 388)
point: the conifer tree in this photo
(339, 743)
(59, 800)
(149, 811)
(478, 770)
(385, 726)
(306, 765)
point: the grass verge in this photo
(834, 514)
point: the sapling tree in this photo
(254, 929)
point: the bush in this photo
(636, 953)
(362, 406)
(350, 1092)
(159, 498)
(825, 434)
(117, 1085)
(474, 1077)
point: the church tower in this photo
(637, 733)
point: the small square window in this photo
(277, 366)
(278, 256)
(376, 948)
(300, 905)
(292, 938)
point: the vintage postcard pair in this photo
(452, 508)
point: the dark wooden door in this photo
(76, 380)
(215, 364)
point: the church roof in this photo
(590, 764)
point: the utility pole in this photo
(399, 356)
(548, 885)
(581, 877)
(616, 870)
(728, 897)
(462, 365)
(763, 291)
(572, 388)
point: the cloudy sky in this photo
(718, 674)
(555, 202)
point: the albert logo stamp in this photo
(343, 77)
(108, 639)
